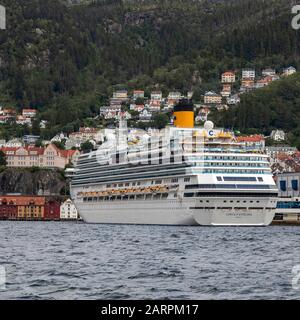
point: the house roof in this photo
(228, 73)
(290, 68)
(23, 200)
(39, 151)
(211, 93)
(68, 153)
(29, 110)
(254, 138)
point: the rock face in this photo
(31, 182)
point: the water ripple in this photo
(80, 261)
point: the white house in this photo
(138, 94)
(268, 72)
(211, 97)
(121, 94)
(59, 138)
(175, 95)
(145, 115)
(156, 95)
(29, 113)
(289, 71)
(248, 74)
(228, 77)
(234, 99)
(278, 135)
(68, 211)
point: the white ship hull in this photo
(170, 212)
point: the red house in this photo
(52, 210)
(8, 210)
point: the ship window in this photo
(165, 195)
(108, 185)
(131, 197)
(174, 180)
(95, 199)
(260, 179)
(239, 178)
(113, 198)
(219, 178)
(187, 179)
(156, 196)
(175, 195)
(127, 184)
(133, 183)
(84, 199)
(158, 181)
(106, 198)
(139, 183)
(119, 197)
(148, 196)
(189, 195)
(125, 197)
(90, 199)
(140, 197)
(120, 185)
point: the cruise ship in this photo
(181, 175)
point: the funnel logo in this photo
(2, 18)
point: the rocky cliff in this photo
(32, 181)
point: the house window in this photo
(295, 185)
(283, 185)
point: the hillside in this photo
(66, 59)
(30, 181)
(265, 109)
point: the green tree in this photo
(160, 120)
(86, 146)
(2, 159)
(59, 144)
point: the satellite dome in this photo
(208, 125)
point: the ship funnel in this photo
(184, 114)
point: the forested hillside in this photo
(272, 107)
(65, 59)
